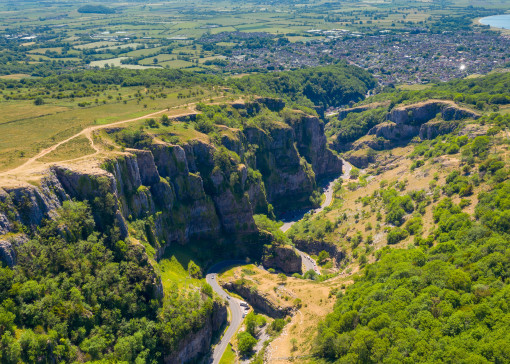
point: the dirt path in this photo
(88, 133)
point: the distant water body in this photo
(497, 21)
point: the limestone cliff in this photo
(315, 247)
(409, 121)
(291, 155)
(259, 300)
(426, 120)
(289, 180)
(312, 144)
(284, 258)
(197, 344)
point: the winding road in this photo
(328, 191)
(234, 303)
(308, 262)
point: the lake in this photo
(497, 21)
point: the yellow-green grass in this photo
(100, 44)
(24, 138)
(181, 130)
(43, 50)
(177, 64)
(17, 110)
(416, 87)
(229, 356)
(174, 268)
(74, 148)
(143, 52)
(504, 110)
(15, 76)
(160, 57)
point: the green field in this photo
(99, 39)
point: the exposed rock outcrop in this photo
(289, 180)
(419, 119)
(291, 156)
(342, 114)
(197, 344)
(312, 144)
(409, 121)
(260, 301)
(315, 247)
(420, 113)
(8, 248)
(284, 258)
(434, 128)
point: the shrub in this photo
(396, 235)
(323, 257)
(245, 342)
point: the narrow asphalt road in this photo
(234, 304)
(308, 262)
(328, 191)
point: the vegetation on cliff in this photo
(426, 226)
(75, 294)
(443, 301)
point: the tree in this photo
(165, 120)
(194, 270)
(39, 101)
(151, 123)
(251, 323)
(323, 257)
(293, 342)
(245, 342)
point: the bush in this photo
(194, 270)
(277, 325)
(165, 120)
(396, 235)
(323, 257)
(38, 101)
(151, 123)
(245, 342)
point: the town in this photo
(393, 58)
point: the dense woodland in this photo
(78, 294)
(320, 87)
(443, 298)
(483, 93)
(444, 302)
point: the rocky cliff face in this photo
(181, 194)
(420, 119)
(284, 258)
(289, 180)
(312, 145)
(197, 344)
(260, 301)
(291, 156)
(315, 247)
(420, 113)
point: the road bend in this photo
(234, 305)
(308, 262)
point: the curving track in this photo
(308, 262)
(234, 304)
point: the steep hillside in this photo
(422, 233)
(160, 185)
